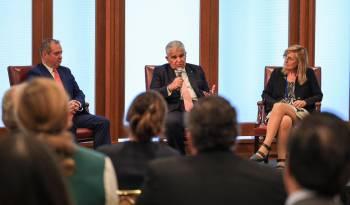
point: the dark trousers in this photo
(175, 130)
(99, 125)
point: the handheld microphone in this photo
(178, 72)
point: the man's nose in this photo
(178, 59)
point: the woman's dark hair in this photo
(146, 115)
(29, 173)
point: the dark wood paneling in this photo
(302, 25)
(110, 65)
(42, 25)
(293, 37)
(3, 131)
(100, 55)
(209, 32)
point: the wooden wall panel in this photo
(302, 25)
(110, 71)
(42, 21)
(209, 40)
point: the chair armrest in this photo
(261, 113)
(318, 106)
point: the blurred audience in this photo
(30, 174)
(146, 117)
(318, 165)
(42, 112)
(215, 175)
(8, 111)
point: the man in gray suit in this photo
(318, 166)
(215, 174)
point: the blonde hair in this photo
(8, 112)
(42, 112)
(146, 116)
(302, 58)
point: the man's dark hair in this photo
(319, 153)
(212, 123)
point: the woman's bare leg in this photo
(282, 135)
(279, 110)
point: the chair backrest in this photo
(18, 74)
(149, 75)
(269, 69)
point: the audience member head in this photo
(8, 111)
(146, 116)
(212, 124)
(42, 112)
(319, 154)
(51, 52)
(29, 173)
(296, 59)
(176, 54)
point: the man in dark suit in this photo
(176, 80)
(318, 166)
(214, 175)
(51, 57)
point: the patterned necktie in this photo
(186, 97)
(57, 77)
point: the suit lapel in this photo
(62, 76)
(45, 71)
(170, 73)
(192, 79)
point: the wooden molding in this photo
(302, 25)
(42, 24)
(293, 37)
(110, 63)
(3, 131)
(209, 40)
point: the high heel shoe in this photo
(260, 156)
(281, 163)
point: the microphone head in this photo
(178, 72)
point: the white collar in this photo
(299, 195)
(48, 68)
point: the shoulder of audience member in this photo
(111, 148)
(89, 153)
(165, 150)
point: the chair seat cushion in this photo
(84, 134)
(260, 131)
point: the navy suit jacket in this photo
(68, 80)
(163, 75)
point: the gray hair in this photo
(174, 44)
(46, 45)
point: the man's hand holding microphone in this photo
(177, 82)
